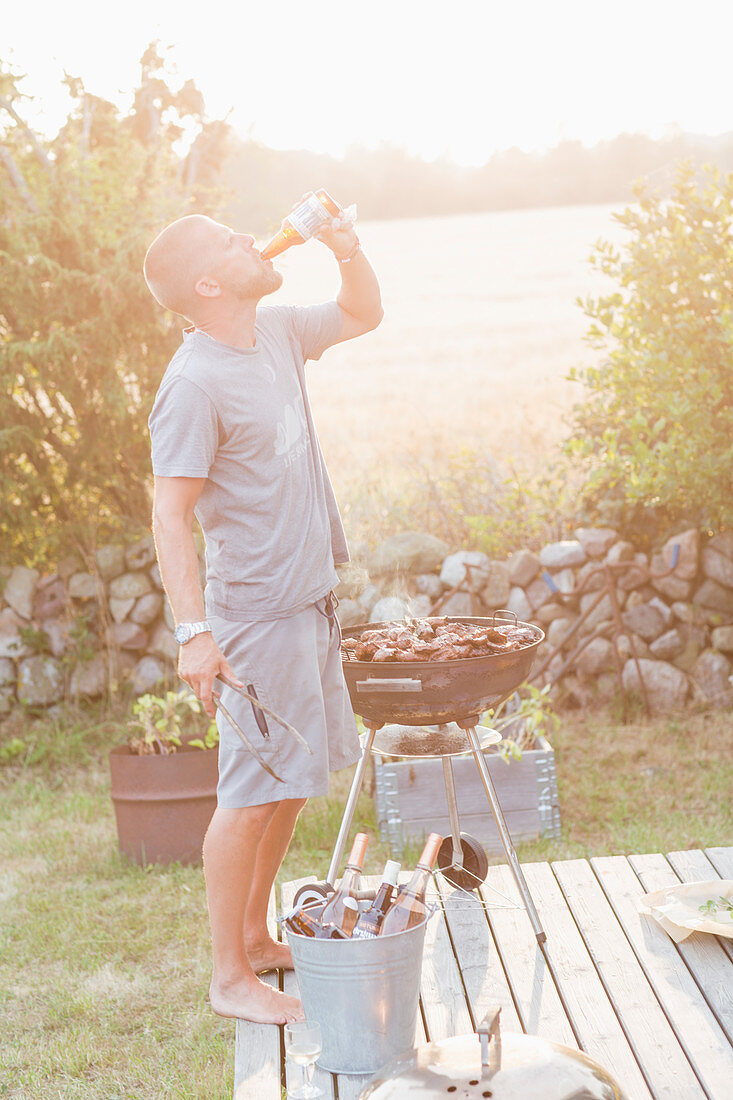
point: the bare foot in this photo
(256, 1001)
(269, 955)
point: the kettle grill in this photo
(432, 708)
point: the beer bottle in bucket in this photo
(302, 222)
(307, 922)
(410, 908)
(370, 922)
(335, 911)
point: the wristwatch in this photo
(184, 632)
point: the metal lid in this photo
(503, 1067)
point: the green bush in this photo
(82, 343)
(655, 436)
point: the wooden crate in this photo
(410, 797)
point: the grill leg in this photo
(455, 824)
(504, 834)
(356, 784)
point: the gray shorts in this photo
(294, 667)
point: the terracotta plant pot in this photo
(163, 804)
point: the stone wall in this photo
(680, 625)
(70, 634)
(74, 633)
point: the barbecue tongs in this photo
(216, 695)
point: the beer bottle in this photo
(301, 223)
(410, 908)
(307, 922)
(335, 911)
(369, 923)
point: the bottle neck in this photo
(419, 881)
(384, 893)
(349, 880)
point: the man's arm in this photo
(358, 298)
(199, 661)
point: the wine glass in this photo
(303, 1046)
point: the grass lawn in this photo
(104, 967)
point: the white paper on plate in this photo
(677, 908)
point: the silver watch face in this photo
(184, 632)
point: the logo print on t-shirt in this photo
(290, 432)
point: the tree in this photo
(655, 435)
(82, 343)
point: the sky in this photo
(461, 79)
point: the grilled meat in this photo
(437, 639)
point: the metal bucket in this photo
(363, 993)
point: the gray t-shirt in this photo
(241, 419)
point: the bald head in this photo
(177, 259)
(204, 270)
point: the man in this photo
(233, 443)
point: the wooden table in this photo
(658, 1015)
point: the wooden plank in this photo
(722, 860)
(442, 994)
(535, 996)
(321, 1077)
(599, 1031)
(351, 1085)
(473, 945)
(663, 1063)
(695, 1026)
(694, 866)
(707, 962)
(257, 1054)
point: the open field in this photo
(481, 326)
(104, 966)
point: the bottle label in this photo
(363, 934)
(309, 216)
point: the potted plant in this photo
(163, 780)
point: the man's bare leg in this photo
(263, 952)
(230, 858)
